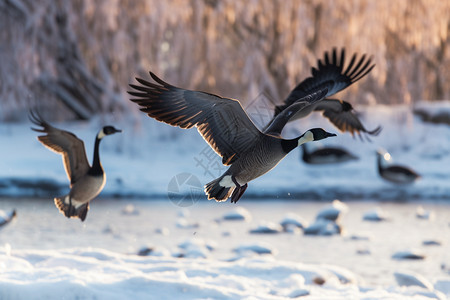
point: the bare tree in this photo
(77, 57)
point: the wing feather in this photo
(222, 122)
(65, 143)
(330, 74)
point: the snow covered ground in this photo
(194, 253)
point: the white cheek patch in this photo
(307, 137)
(101, 134)
(227, 182)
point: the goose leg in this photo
(241, 192)
(238, 190)
(70, 208)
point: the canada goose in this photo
(326, 155)
(86, 181)
(226, 127)
(339, 112)
(394, 173)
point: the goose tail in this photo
(216, 191)
(71, 210)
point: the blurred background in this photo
(78, 57)
(74, 59)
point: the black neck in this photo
(289, 145)
(305, 152)
(96, 168)
(380, 167)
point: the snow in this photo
(267, 228)
(238, 214)
(101, 274)
(409, 279)
(375, 215)
(293, 220)
(422, 213)
(408, 254)
(145, 146)
(333, 211)
(141, 240)
(69, 259)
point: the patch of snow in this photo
(421, 213)
(333, 211)
(323, 227)
(293, 220)
(412, 279)
(130, 210)
(408, 254)
(258, 248)
(101, 274)
(267, 228)
(376, 215)
(238, 214)
(432, 243)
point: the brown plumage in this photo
(86, 181)
(331, 71)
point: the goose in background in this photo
(86, 181)
(226, 127)
(326, 155)
(394, 173)
(331, 71)
(7, 217)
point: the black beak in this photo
(331, 134)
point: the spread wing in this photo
(342, 115)
(278, 122)
(65, 143)
(222, 122)
(330, 73)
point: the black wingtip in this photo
(37, 120)
(159, 80)
(375, 131)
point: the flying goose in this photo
(86, 181)
(331, 71)
(326, 155)
(226, 127)
(394, 173)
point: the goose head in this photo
(314, 134)
(107, 130)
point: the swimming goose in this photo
(331, 71)
(326, 155)
(226, 127)
(86, 181)
(394, 173)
